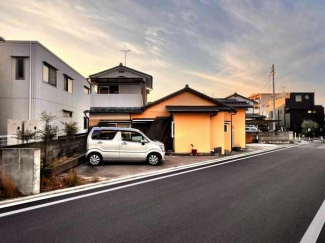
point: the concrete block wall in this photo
(58, 147)
(23, 167)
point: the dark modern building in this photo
(292, 109)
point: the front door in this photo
(109, 144)
(131, 146)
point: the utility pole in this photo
(273, 73)
(125, 52)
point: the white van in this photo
(122, 144)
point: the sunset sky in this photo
(217, 47)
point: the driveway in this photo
(109, 170)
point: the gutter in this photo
(30, 83)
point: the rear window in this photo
(107, 135)
(95, 133)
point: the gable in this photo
(183, 99)
(119, 72)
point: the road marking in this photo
(315, 227)
(129, 185)
(67, 191)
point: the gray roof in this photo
(116, 110)
(235, 103)
(196, 109)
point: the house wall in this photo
(217, 133)
(14, 94)
(186, 98)
(239, 127)
(192, 129)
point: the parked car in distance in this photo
(122, 144)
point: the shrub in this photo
(8, 188)
(70, 128)
(308, 124)
(26, 136)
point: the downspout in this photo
(30, 83)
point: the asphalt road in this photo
(269, 198)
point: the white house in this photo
(33, 79)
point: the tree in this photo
(47, 134)
(49, 131)
(26, 136)
(308, 125)
(70, 128)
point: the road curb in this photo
(66, 191)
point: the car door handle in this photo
(124, 143)
(99, 142)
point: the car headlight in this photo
(162, 147)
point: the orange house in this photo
(183, 120)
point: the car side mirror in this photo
(143, 142)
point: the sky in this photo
(216, 46)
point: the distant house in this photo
(116, 91)
(261, 106)
(291, 110)
(33, 79)
(249, 103)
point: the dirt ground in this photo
(111, 170)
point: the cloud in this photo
(218, 47)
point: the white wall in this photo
(14, 93)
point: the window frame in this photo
(296, 98)
(51, 69)
(88, 90)
(110, 131)
(225, 127)
(67, 112)
(142, 140)
(110, 89)
(66, 80)
(18, 59)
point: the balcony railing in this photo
(116, 100)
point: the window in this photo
(67, 114)
(49, 74)
(226, 127)
(103, 90)
(298, 98)
(132, 137)
(68, 83)
(86, 90)
(307, 97)
(95, 134)
(107, 135)
(113, 89)
(20, 68)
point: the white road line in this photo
(128, 185)
(315, 227)
(67, 191)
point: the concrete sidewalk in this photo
(109, 171)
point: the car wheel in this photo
(94, 159)
(154, 159)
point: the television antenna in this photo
(125, 53)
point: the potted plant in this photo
(194, 151)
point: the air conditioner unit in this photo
(30, 125)
(13, 126)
